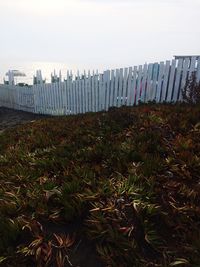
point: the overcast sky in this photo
(97, 33)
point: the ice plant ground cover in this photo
(125, 183)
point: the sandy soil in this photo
(10, 118)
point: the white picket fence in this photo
(160, 82)
(16, 97)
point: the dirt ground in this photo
(10, 118)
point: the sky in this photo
(95, 34)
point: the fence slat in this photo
(124, 91)
(149, 82)
(76, 95)
(56, 98)
(35, 98)
(34, 95)
(93, 91)
(49, 98)
(96, 92)
(46, 98)
(129, 88)
(119, 97)
(70, 96)
(160, 81)
(134, 84)
(139, 85)
(176, 89)
(52, 98)
(155, 81)
(86, 94)
(184, 76)
(15, 105)
(103, 93)
(100, 91)
(58, 93)
(171, 81)
(64, 97)
(192, 65)
(89, 91)
(165, 81)
(82, 81)
(80, 95)
(112, 88)
(107, 98)
(65, 103)
(144, 82)
(43, 101)
(116, 88)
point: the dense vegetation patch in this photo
(126, 181)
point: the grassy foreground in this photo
(126, 182)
